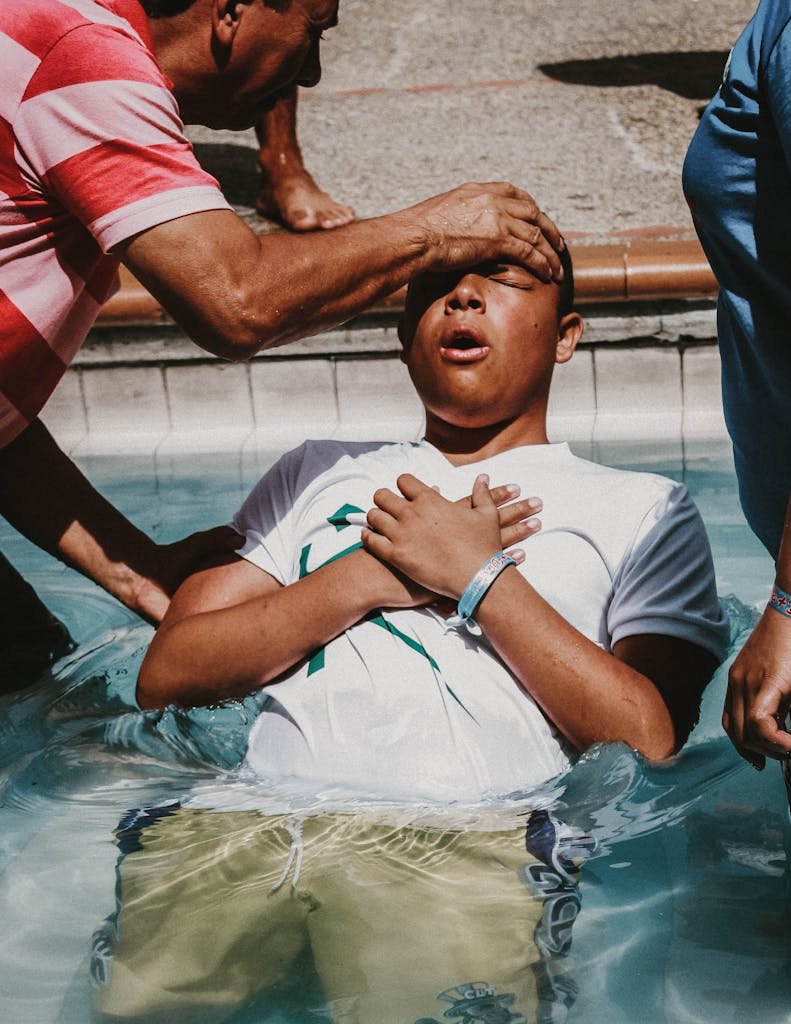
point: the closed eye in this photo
(512, 276)
(510, 281)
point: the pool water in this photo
(685, 912)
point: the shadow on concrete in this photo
(695, 75)
(235, 167)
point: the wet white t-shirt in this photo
(398, 705)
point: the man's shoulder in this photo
(52, 44)
(37, 25)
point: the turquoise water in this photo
(685, 903)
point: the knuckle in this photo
(754, 723)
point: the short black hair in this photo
(566, 300)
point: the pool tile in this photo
(376, 401)
(638, 394)
(211, 407)
(64, 414)
(293, 399)
(703, 416)
(126, 409)
(572, 400)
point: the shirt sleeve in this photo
(100, 130)
(266, 519)
(666, 583)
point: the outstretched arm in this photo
(232, 628)
(45, 496)
(235, 292)
(759, 683)
(590, 694)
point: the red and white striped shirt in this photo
(92, 151)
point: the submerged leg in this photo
(202, 924)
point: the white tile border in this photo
(629, 392)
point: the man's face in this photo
(481, 344)
(275, 48)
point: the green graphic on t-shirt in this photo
(338, 519)
(317, 658)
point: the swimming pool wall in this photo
(643, 371)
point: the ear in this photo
(226, 15)
(570, 331)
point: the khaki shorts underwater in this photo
(404, 924)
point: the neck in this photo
(181, 43)
(462, 445)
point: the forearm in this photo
(235, 293)
(229, 652)
(260, 292)
(783, 564)
(46, 498)
(589, 694)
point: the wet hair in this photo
(566, 299)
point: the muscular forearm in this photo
(45, 497)
(236, 293)
(260, 292)
(228, 652)
(589, 694)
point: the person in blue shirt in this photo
(737, 180)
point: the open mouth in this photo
(464, 347)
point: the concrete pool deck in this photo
(591, 109)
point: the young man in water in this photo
(607, 630)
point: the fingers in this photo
(519, 531)
(530, 248)
(763, 729)
(500, 495)
(376, 544)
(388, 502)
(381, 522)
(481, 495)
(518, 510)
(751, 718)
(411, 487)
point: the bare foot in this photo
(299, 204)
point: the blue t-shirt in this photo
(737, 180)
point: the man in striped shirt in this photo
(95, 168)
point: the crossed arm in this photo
(232, 628)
